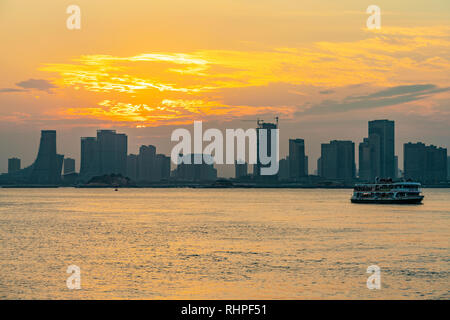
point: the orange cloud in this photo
(168, 112)
(157, 88)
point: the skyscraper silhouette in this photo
(448, 168)
(306, 166)
(382, 141)
(283, 172)
(426, 164)
(13, 165)
(112, 148)
(106, 154)
(365, 156)
(297, 158)
(269, 127)
(162, 167)
(147, 163)
(69, 165)
(89, 158)
(48, 165)
(240, 169)
(196, 172)
(337, 160)
(45, 170)
(132, 167)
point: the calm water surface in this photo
(220, 244)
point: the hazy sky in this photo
(147, 67)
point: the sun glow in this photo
(165, 88)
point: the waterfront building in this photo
(13, 165)
(337, 160)
(425, 164)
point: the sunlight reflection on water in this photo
(220, 244)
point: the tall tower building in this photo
(396, 171)
(297, 158)
(121, 151)
(268, 148)
(240, 169)
(48, 165)
(196, 172)
(112, 148)
(382, 138)
(448, 168)
(426, 164)
(306, 166)
(365, 172)
(337, 160)
(89, 166)
(132, 166)
(163, 167)
(319, 167)
(147, 163)
(69, 165)
(283, 173)
(13, 165)
(106, 154)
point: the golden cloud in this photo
(157, 87)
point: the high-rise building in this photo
(337, 160)
(306, 165)
(283, 172)
(112, 148)
(319, 167)
(121, 153)
(196, 172)
(163, 167)
(448, 168)
(367, 153)
(106, 154)
(89, 166)
(297, 158)
(382, 141)
(148, 166)
(132, 166)
(48, 165)
(396, 173)
(147, 170)
(240, 169)
(426, 164)
(69, 165)
(364, 160)
(13, 165)
(270, 130)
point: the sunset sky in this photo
(148, 67)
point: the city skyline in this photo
(201, 152)
(317, 66)
(108, 154)
(28, 154)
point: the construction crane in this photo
(261, 121)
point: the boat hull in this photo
(415, 200)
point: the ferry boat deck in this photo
(388, 192)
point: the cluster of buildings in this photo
(195, 172)
(376, 155)
(426, 164)
(46, 169)
(107, 153)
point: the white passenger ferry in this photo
(386, 191)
